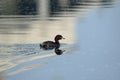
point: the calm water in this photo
(17, 54)
(19, 44)
(96, 59)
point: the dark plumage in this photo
(48, 45)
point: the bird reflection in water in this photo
(58, 51)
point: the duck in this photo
(49, 45)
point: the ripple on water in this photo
(12, 56)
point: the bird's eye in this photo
(61, 37)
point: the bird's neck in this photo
(57, 44)
(56, 40)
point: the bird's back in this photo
(47, 45)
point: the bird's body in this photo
(48, 45)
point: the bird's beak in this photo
(63, 38)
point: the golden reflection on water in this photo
(36, 32)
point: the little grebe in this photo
(48, 45)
